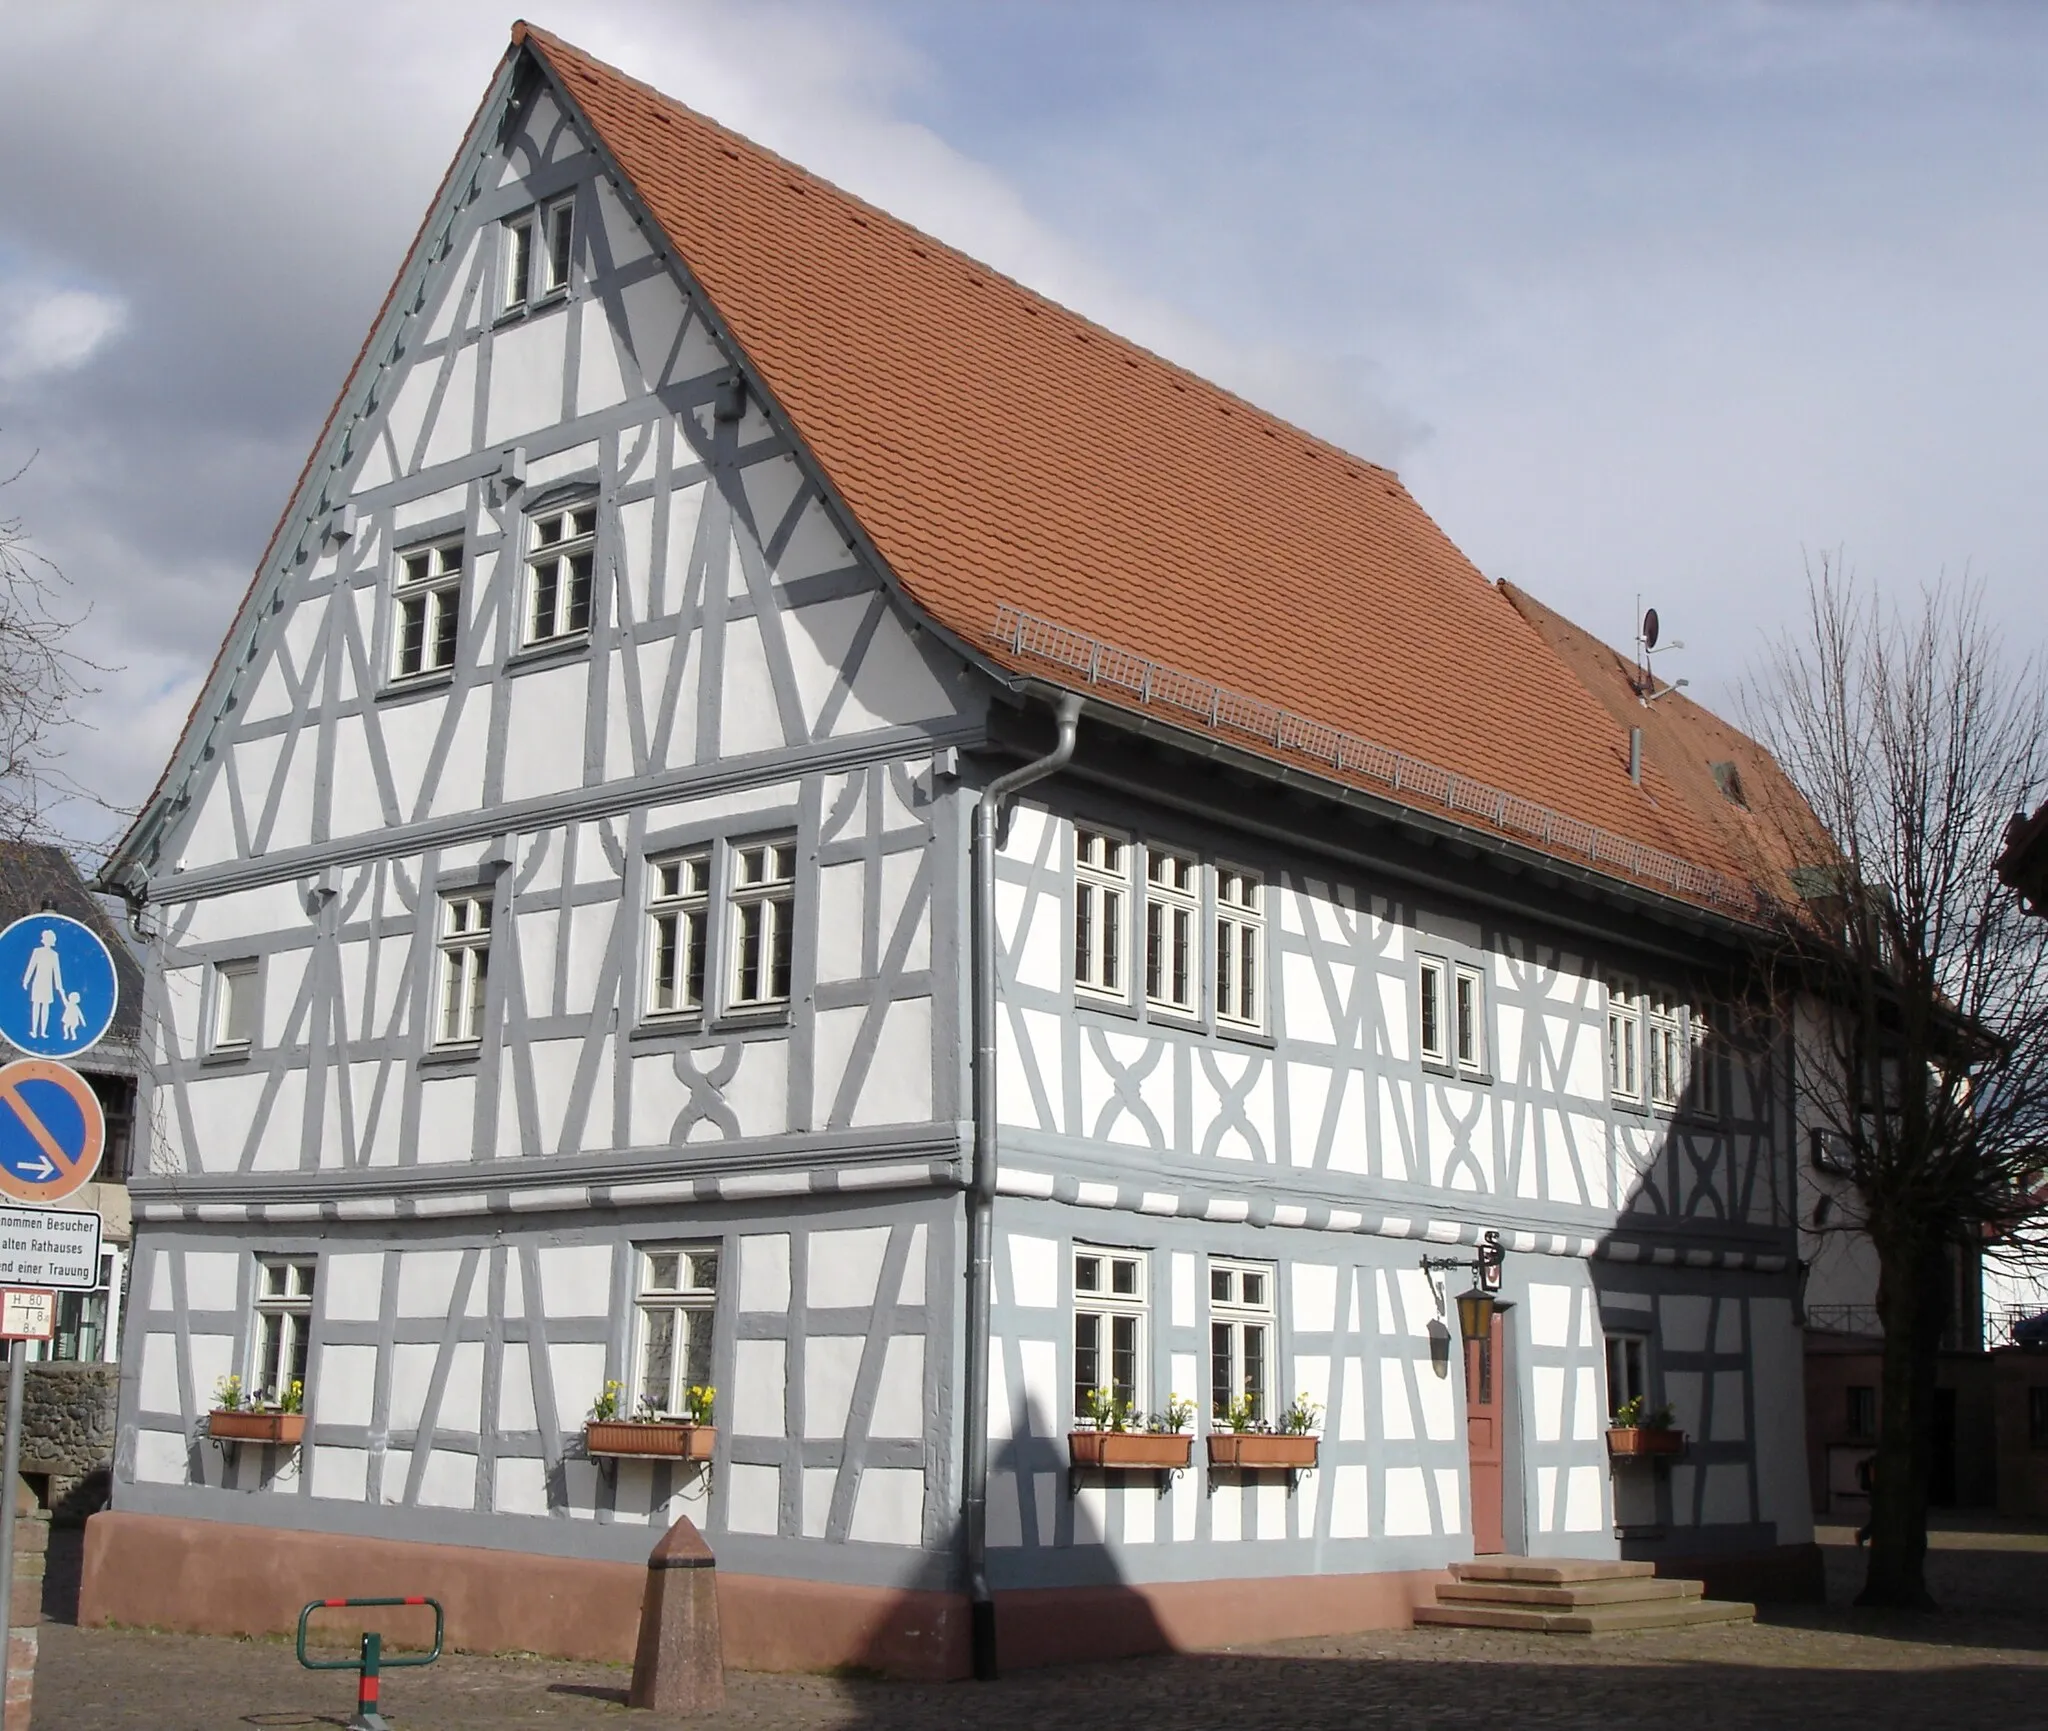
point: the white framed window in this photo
(1468, 1019)
(1703, 1068)
(1664, 1059)
(678, 921)
(1627, 1370)
(1624, 1041)
(235, 986)
(763, 913)
(284, 1324)
(674, 1310)
(561, 553)
(428, 593)
(1102, 883)
(1173, 918)
(537, 252)
(1241, 1341)
(1109, 1326)
(1432, 1010)
(463, 957)
(1240, 948)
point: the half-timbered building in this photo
(566, 974)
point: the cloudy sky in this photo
(1640, 299)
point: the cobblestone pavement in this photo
(1982, 1659)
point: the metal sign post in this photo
(24, 1316)
(58, 992)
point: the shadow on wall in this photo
(1720, 1346)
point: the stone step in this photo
(1629, 1590)
(1550, 1571)
(1588, 1619)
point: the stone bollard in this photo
(25, 1606)
(679, 1667)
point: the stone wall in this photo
(67, 1434)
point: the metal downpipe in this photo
(981, 1191)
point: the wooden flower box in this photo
(1633, 1442)
(661, 1440)
(1254, 1450)
(1141, 1451)
(286, 1428)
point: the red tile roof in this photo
(1723, 780)
(1001, 451)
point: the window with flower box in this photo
(1241, 1342)
(675, 1307)
(284, 1325)
(1109, 1326)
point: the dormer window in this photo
(537, 252)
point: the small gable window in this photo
(234, 1005)
(561, 552)
(537, 251)
(678, 914)
(763, 919)
(464, 962)
(429, 609)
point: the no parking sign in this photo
(52, 1130)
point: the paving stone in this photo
(1983, 1658)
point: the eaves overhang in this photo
(1365, 812)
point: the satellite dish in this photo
(1650, 628)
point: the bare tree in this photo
(1912, 977)
(41, 681)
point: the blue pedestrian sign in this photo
(57, 986)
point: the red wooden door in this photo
(1483, 1408)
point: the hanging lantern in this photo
(1475, 1314)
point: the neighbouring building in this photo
(564, 974)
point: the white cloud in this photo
(1635, 299)
(45, 331)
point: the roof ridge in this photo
(523, 32)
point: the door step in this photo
(1551, 1571)
(1570, 1596)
